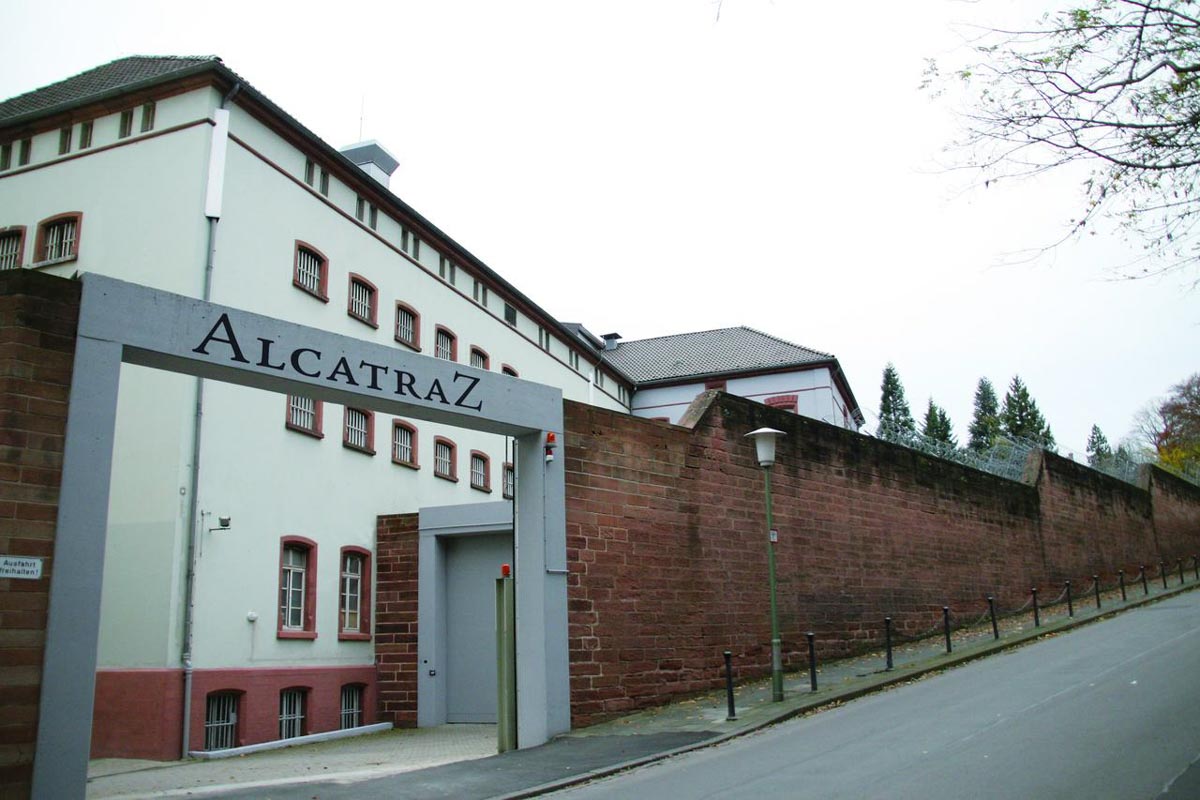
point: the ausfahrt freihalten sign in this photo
(25, 568)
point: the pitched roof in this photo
(115, 77)
(704, 353)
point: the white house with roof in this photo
(669, 371)
(237, 601)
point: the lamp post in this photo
(764, 444)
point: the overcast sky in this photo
(647, 168)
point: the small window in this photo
(446, 270)
(26, 152)
(148, 116)
(310, 171)
(64, 140)
(416, 248)
(304, 415)
(445, 344)
(543, 338)
(408, 326)
(220, 721)
(360, 209)
(787, 402)
(12, 247)
(358, 430)
(622, 395)
(510, 371)
(5, 156)
(510, 314)
(481, 471)
(479, 358)
(509, 486)
(297, 588)
(362, 303)
(352, 706)
(325, 182)
(573, 357)
(354, 595)
(404, 238)
(310, 271)
(126, 129)
(291, 713)
(481, 293)
(373, 216)
(85, 135)
(598, 377)
(404, 444)
(58, 238)
(445, 458)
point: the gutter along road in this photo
(1109, 710)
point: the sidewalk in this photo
(459, 760)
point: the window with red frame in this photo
(12, 247)
(481, 471)
(408, 326)
(304, 414)
(445, 344)
(404, 444)
(786, 402)
(445, 456)
(358, 430)
(509, 485)
(310, 271)
(362, 300)
(58, 238)
(479, 358)
(354, 594)
(297, 588)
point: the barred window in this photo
(58, 237)
(408, 326)
(362, 304)
(359, 430)
(310, 271)
(12, 245)
(509, 487)
(481, 472)
(352, 705)
(291, 713)
(445, 344)
(220, 721)
(479, 358)
(444, 458)
(404, 443)
(304, 414)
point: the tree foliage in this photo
(1114, 84)
(1098, 449)
(937, 425)
(895, 417)
(1178, 439)
(1020, 417)
(985, 424)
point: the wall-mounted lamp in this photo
(223, 524)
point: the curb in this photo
(870, 686)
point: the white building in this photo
(175, 173)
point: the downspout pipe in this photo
(212, 210)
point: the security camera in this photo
(224, 521)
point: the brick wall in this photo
(667, 551)
(38, 317)
(396, 618)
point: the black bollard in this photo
(1145, 583)
(729, 685)
(1070, 604)
(946, 625)
(1162, 570)
(1196, 567)
(1121, 575)
(1179, 563)
(887, 638)
(812, 661)
(1037, 617)
(992, 612)
(1096, 586)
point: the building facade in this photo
(239, 569)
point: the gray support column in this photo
(73, 626)
(543, 680)
(431, 632)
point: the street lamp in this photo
(764, 444)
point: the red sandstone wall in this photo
(396, 618)
(666, 543)
(38, 316)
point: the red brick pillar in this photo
(38, 318)
(396, 544)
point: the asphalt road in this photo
(1110, 710)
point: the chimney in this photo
(611, 340)
(373, 159)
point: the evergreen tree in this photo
(985, 425)
(895, 417)
(937, 425)
(1020, 417)
(1098, 450)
